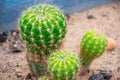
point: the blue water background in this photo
(10, 10)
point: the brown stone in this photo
(111, 44)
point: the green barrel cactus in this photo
(43, 28)
(63, 65)
(43, 78)
(93, 45)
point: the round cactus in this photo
(63, 65)
(93, 45)
(43, 78)
(43, 28)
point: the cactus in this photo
(43, 78)
(43, 28)
(63, 65)
(93, 45)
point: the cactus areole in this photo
(42, 27)
(93, 45)
(63, 65)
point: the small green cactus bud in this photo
(93, 45)
(43, 28)
(63, 65)
(43, 78)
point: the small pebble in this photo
(15, 31)
(5, 34)
(19, 77)
(29, 76)
(114, 7)
(67, 16)
(107, 74)
(16, 49)
(2, 38)
(111, 44)
(102, 75)
(96, 77)
(91, 17)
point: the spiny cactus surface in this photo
(42, 27)
(93, 45)
(63, 65)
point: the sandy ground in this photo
(14, 66)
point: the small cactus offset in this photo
(43, 27)
(63, 65)
(43, 78)
(93, 45)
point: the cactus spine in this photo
(93, 45)
(63, 65)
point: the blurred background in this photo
(10, 10)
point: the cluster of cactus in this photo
(93, 45)
(63, 65)
(43, 28)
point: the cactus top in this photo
(63, 65)
(43, 25)
(93, 44)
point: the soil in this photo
(13, 62)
